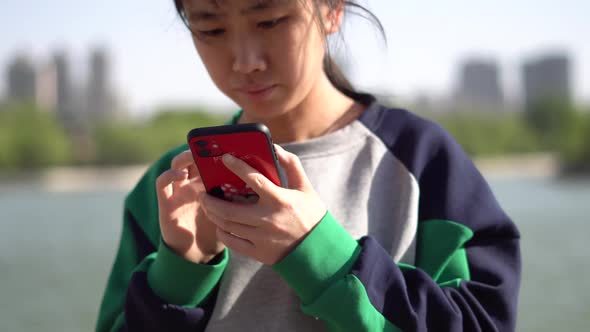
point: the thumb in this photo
(294, 170)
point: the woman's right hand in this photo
(185, 228)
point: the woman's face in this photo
(266, 55)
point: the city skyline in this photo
(54, 87)
(154, 62)
(479, 84)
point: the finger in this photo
(197, 180)
(235, 243)
(165, 180)
(296, 176)
(182, 160)
(185, 160)
(193, 172)
(253, 178)
(238, 213)
(240, 230)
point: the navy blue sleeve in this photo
(145, 311)
(413, 301)
(467, 271)
(178, 295)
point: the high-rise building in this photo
(98, 89)
(479, 85)
(47, 88)
(547, 77)
(65, 94)
(21, 84)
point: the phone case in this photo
(249, 142)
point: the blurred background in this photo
(91, 94)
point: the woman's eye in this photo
(212, 33)
(271, 23)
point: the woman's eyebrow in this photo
(203, 15)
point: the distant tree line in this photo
(131, 143)
(549, 125)
(31, 139)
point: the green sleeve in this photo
(170, 277)
(110, 316)
(318, 270)
(181, 282)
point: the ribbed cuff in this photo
(182, 282)
(325, 255)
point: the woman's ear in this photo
(333, 19)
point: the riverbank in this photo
(76, 179)
(533, 165)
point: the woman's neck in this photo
(324, 110)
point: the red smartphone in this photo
(250, 142)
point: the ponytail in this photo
(337, 77)
(331, 68)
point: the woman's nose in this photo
(248, 56)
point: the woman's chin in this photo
(261, 112)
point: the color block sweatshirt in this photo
(413, 240)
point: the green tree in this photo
(30, 138)
(487, 134)
(575, 150)
(130, 143)
(552, 120)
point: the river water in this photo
(56, 250)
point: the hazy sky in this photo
(154, 63)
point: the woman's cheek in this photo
(290, 55)
(218, 67)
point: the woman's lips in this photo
(257, 93)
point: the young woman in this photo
(386, 225)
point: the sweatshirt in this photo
(413, 240)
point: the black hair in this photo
(331, 68)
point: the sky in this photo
(153, 62)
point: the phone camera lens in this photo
(201, 143)
(204, 153)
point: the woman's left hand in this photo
(271, 228)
